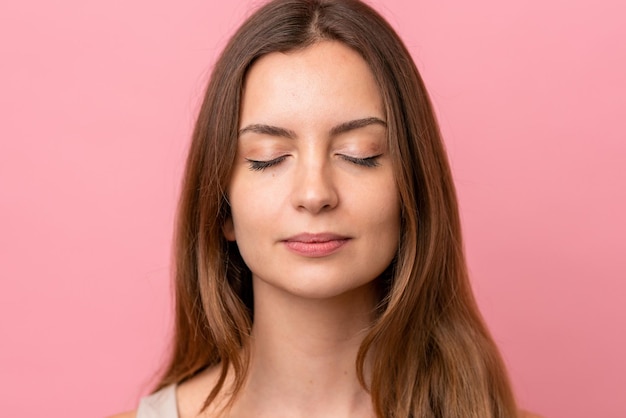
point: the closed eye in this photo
(260, 165)
(365, 162)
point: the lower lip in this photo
(315, 249)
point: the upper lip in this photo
(313, 238)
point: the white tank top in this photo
(161, 404)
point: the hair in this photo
(429, 353)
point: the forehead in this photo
(323, 80)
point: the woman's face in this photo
(315, 208)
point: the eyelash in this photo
(259, 165)
(365, 162)
(256, 165)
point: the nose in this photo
(314, 188)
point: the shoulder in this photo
(161, 403)
(192, 393)
(131, 414)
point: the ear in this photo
(228, 229)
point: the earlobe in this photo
(228, 229)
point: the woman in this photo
(319, 264)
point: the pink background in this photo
(97, 102)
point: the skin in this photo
(296, 111)
(311, 171)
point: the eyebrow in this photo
(356, 124)
(343, 127)
(263, 129)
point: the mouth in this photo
(315, 245)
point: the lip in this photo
(315, 245)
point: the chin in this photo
(316, 289)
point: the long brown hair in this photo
(428, 350)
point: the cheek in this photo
(388, 219)
(254, 209)
(383, 203)
(389, 226)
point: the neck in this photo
(303, 354)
